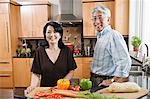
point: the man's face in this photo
(100, 21)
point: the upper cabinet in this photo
(4, 38)
(33, 18)
(119, 15)
(88, 28)
(122, 16)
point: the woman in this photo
(53, 62)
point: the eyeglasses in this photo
(94, 18)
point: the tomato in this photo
(77, 88)
(74, 88)
(54, 96)
(38, 95)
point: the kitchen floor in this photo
(9, 93)
(6, 94)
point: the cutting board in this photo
(134, 95)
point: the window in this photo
(139, 21)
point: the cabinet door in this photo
(33, 19)
(88, 28)
(122, 16)
(40, 17)
(4, 8)
(26, 21)
(78, 70)
(22, 74)
(4, 38)
(86, 67)
(6, 79)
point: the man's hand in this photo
(122, 79)
(106, 82)
(114, 79)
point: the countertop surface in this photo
(19, 93)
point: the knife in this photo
(96, 88)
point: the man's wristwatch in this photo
(112, 80)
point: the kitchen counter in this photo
(18, 93)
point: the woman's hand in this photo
(34, 83)
(28, 90)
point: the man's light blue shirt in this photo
(111, 57)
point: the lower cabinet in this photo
(86, 67)
(78, 70)
(22, 70)
(22, 74)
(83, 67)
(6, 75)
(6, 79)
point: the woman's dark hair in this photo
(57, 28)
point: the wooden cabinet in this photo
(119, 15)
(78, 70)
(122, 16)
(6, 79)
(88, 28)
(4, 38)
(33, 18)
(83, 67)
(22, 71)
(9, 24)
(86, 67)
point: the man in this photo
(111, 60)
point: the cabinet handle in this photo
(4, 62)
(5, 75)
(7, 41)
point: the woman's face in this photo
(52, 36)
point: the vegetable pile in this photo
(88, 95)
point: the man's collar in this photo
(99, 34)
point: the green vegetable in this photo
(18, 50)
(28, 50)
(85, 84)
(23, 50)
(88, 95)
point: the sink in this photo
(136, 73)
(136, 65)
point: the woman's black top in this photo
(50, 72)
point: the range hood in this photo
(66, 14)
(67, 18)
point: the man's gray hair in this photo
(102, 9)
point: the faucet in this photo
(140, 48)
